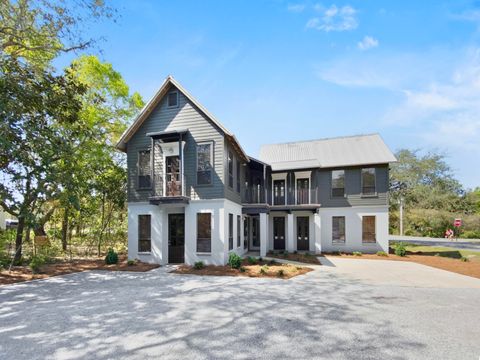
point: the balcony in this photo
(254, 194)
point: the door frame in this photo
(170, 215)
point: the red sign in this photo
(457, 222)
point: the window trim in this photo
(138, 234)
(336, 242)
(211, 143)
(302, 175)
(196, 233)
(344, 183)
(374, 194)
(168, 98)
(370, 243)
(279, 176)
(138, 187)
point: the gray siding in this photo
(185, 116)
(231, 193)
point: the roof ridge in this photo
(321, 139)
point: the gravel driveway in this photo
(323, 314)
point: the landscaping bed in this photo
(24, 273)
(261, 269)
(299, 257)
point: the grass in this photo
(443, 252)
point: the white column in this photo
(317, 246)
(263, 234)
(290, 233)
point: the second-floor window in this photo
(144, 169)
(230, 169)
(279, 192)
(204, 164)
(238, 175)
(368, 181)
(338, 183)
(303, 190)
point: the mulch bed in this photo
(309, 259)
(24, 273)
(469, 268)
(251, 270)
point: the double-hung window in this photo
(204, 232)
(230, 231)
(368, 181)
(338, 229)
(368, 229)
(204, 163)
(144, 233)
(238, 175)
(144, 170)
(230, 169)
(338, 183)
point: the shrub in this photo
(295, 252)
(234, 261)
(400, 249)
(464, 259)
(260, 259)
(298, 267)
(199, 265)
(272, 262)
(251, 260)
(264, 269)
(285, 253)
(470, 234)
(307, 254)
(131, 262)
(36, 262)
(242, 269)
(280, 273)
(112, 257)
(381, 253)
(357, 253)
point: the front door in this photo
(279, 233)
(173, 183)
(255, 238)
(302, 233)
(176, 238)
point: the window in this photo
(173, 99)
(239, 226)
(338, 183)
(144, 233)
(238, 175)
(245, 232)
(303, 191)
(279, 192)
(368, 229)
(338, 229)
(368, 181)
(230, 231)
(230, 169)
(144, 169)
(204, 232)
(204, 164)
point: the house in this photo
(195, 195)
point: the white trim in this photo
(304, 175)
(279, 176)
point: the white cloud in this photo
(334, 19)
(296, 8)
(368, 42)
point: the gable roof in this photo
(328, 153)
(154, 101)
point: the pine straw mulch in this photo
(24, 273)
(469, 268)
(251, 270)
(299, 257)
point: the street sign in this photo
(457, 222)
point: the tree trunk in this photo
(19, 239)
(65, 229)
(100, 238)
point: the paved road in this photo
(325, 314)
(473, 245)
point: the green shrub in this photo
(295, 252)
(307, 254)
(112, 257)
(470, 234)
(234, 261)
(280, 273)
(357, 253)
(400, 249)
(381, 253)
(260, 259)
(131, 262)
(251, 260)
(242, 269)
(264, 269)
(199, 265)
(36, 262)
(285, 253)
(464, 259)
(272, 262)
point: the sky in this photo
(279, 71)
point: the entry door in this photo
(174, 185)
(302, 232)
(279, 233)
(255, 239)
(176, 238)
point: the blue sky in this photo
(274, 71)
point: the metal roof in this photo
(327, 153)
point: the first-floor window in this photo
(144, 233)
(368, 229)
(338, 229)
(204, 232)
(230, 231)
(239, 236)
(245, 232)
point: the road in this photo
(464, 244)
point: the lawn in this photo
(443, 252)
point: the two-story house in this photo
(195, 195)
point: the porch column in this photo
(263, 234)
(290, 233)
(317, 245)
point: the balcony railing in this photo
(254, 195)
